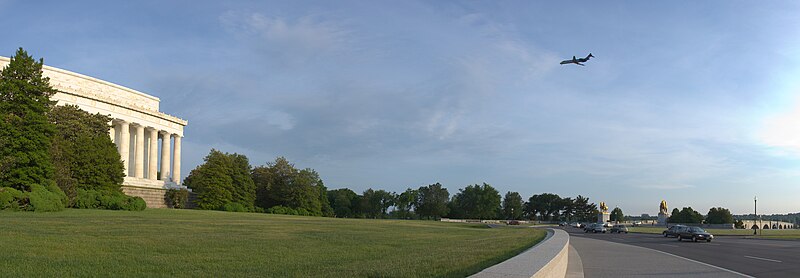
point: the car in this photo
(562, 224)
(637, 223)
(695, 234)
(607, 225)
(599, 228)
(619, 228)
(673, 231)
(595, 228)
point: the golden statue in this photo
(603, 207)
(663, 207)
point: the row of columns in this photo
(123, 143)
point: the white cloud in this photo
(303, 36)
(665, 186)
(782, 130)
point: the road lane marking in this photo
(715, 244)
(763, 259)
(670, 245)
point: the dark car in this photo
(673, 231)
(619, 228)
(695, 234)
(589, 227)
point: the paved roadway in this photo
(754, 257)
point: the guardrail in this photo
(548, 258)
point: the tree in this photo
(617, 215)
(343, 202)
(719, 215)
(405, 204)
(279, 183)
(223, 181)
(476, 202)
(546, 205)
(432, 201)
(584, 210)
(83, 155)
(374, 203)
(685, 215)
(26, 131)
(512, 206)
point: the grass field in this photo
(778, 234)
(168, 243)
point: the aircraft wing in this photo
(567, 62)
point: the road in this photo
(759, 258)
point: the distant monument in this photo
(662, 213)
(603, 216)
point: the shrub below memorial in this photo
(234, 207)
(289, 211)
(39, 199)
(94, 199)
(177, 198)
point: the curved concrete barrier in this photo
(548, 258)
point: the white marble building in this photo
(148, 140)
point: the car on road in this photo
(619, 228)
(562, 224)
(637, 224)
(673, 231)
(695, 234)
(595, 228)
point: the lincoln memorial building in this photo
(148, 141)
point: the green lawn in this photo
(166, 243)
(784, 234)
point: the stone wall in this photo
(154, 197)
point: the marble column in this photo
(124, 145)
(138, 159)
(152, 160)
(165, 142)
(176, 161)
(112, 132)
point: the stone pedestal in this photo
(603, 217)
(662, 218)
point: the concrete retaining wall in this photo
(549, 258)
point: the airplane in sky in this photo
(577, 61)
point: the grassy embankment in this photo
(161, 243)
(777, 234)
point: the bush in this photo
(289, 211)
(44, 200)
(113, 200)
(234, 207)
(10, 199)
(177, 198)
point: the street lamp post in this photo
(755, 211)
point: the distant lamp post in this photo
(755, 212)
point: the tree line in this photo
(52, 157)
(227, 181)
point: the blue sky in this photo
(695, 102)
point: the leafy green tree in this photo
(719, 215)
(279, 183)
(546, 205)
(343, 202)
(26, 131)
(686, 215)
(243, 189)
(223, 181)
(405, 204)
(512, 206)
(617, 215)
(432, 201)
(374, 203)
(476, 202)
(83, 155)
(584, 211)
